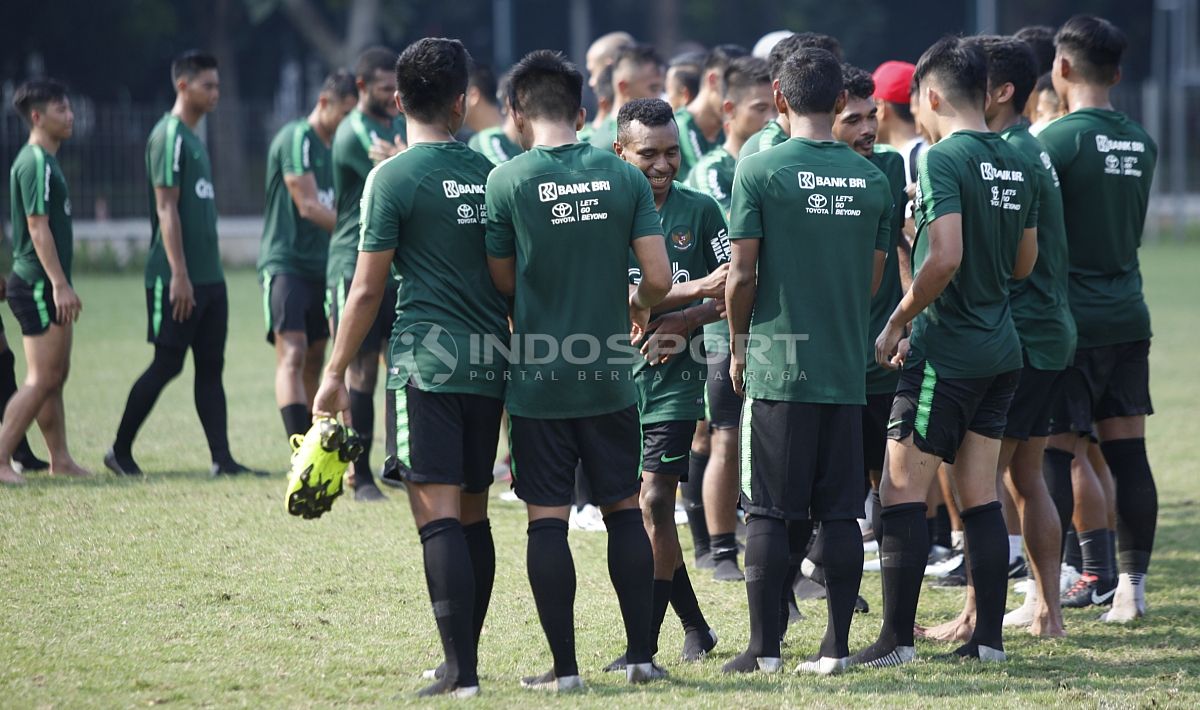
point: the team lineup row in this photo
(965, 303)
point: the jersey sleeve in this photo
(883, 236)
(645, 215)
(501, 236)
(166, 155)
(383, 210)
(297, 156)
(1061, 144)
(940, 184)
(350, 152)
(32, 182)
(1035, 198)
(745, 211)
(715, 235)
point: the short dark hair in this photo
(604, 83)
(687, 68)
(1094, 45)
(958, 66)
(1010, 60)
(484, 80)
(817, 40)
(722, 55)
(811, 81)
(502, 85)
(1040, 39)
(858, 81)
(191, 63)
(546, 85)
(34, 94)
(742, 75)
(374, 60)
(783, 49)
(430, 74)
(1045, 82)
(638, 54)
(340, 85)
(648, 112)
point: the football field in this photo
(179, 590)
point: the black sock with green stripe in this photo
(362, 411)
(296, 419)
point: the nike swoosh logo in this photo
(1099, 599)
(668, 459)
(898, 422)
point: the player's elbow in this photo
(655, 285)
(1026, 260)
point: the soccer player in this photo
(977, 217)
(671, 393)
(777, 131)
(562, 218)
(602, 84)
(683, 78)
(186, 301)
(897, 128)
(368, 134)
(423, 214)
(702, 121)
(638, 72)
(1045, 106)
(501, 142)
(599, 59)
(809, 226)
(295, 247)
(1106, 163)
(1040, 39)
(39, 289)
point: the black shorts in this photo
(1033, 404)
(32, 304)
(293, 303)
(939, 411)
(545, 453)
(207, 327)
(381, 330)
(666, 446)
(723, 406)
(801, 460)
(447, 437)
(874, 429)
(1104, 382)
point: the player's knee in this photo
(291, 358)
(658, 503)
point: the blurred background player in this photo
(638, 72)
(702, 121)
(500, 142)
(599, 59)
(683, 78)
(897, 128)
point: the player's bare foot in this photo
(958, 629)
(1046, 625)
(69, 469)
(10, 477)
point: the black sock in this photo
(167, 363)
(876, 515)
(483, 564)
(1056, 466)
(209, 395)
(931, 528)
(1072, 550)
(452, 592)
(724, 546)
(804, 541)
(661, 599)
(8, 387)
(903, 552)
(1112, 552)
(683, 600)
(389, 422)
(766, 566)
(1137, 502)
(693, 502)
(843, 555)
(362, 411)
(1097, 557)
(631, 569)
(987, 540)
(942, 531)
(296, 419)
(552, 579)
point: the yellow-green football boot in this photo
(319, 464)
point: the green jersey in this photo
(881, 380)
(351, 163)
(176, 157)
(495, 145)
(584, 135)
(692, 144)
(427, 204)
(38, 188)
(697, 243)
(1106, 163)
(291, 244)
(1040, 307)
(713, 175)
(771, 135)
(968, 331)
(820, 211)
(604, 135)
(568, 215)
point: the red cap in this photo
(892, 81)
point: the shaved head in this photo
(606, 48)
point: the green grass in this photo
(181, 590)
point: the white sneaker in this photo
(549, 683)
(987, 654)
(824, 665)
(1067, 578)
(681, 517)
(1129, 602)
(510, 497)
(637, 673)
(587, 519)
(1023, 615)
(872, 565)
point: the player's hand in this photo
(639, 318)
(381, 150)
(737, 375)
(183, 298)
(332, 398)
(66, 304)
(713, 285)
(667, 337)
(911, 190)
(888, 352)
(722, 309)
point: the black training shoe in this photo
(617, 665)
(971, 651)
(233, 468)
(697, 643)
(727, 570)
(861, 606)
(883, 655)
(446, 686)
(956, 577)
(1018, 568)
(704, 559)
(125, 467)
(24, 461)
(392, 473)
(1089, 590)
(748, 662)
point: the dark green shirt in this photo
(495, 145)
(427, 204)
(291, 244)
(692, 144)
(881, 380)
(1106, 164)
(820, 211)
(604, 135)
(351, 163)
(713, 176)
(968, 331)
(697, 243)
(1040, 307)
(568, 215)
(771, 135)
(176, 157)
(38, 188)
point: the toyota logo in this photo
(560, 210)
(465, 211)
(1111, 161)
(817, 201)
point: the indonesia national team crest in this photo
(681, 238)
